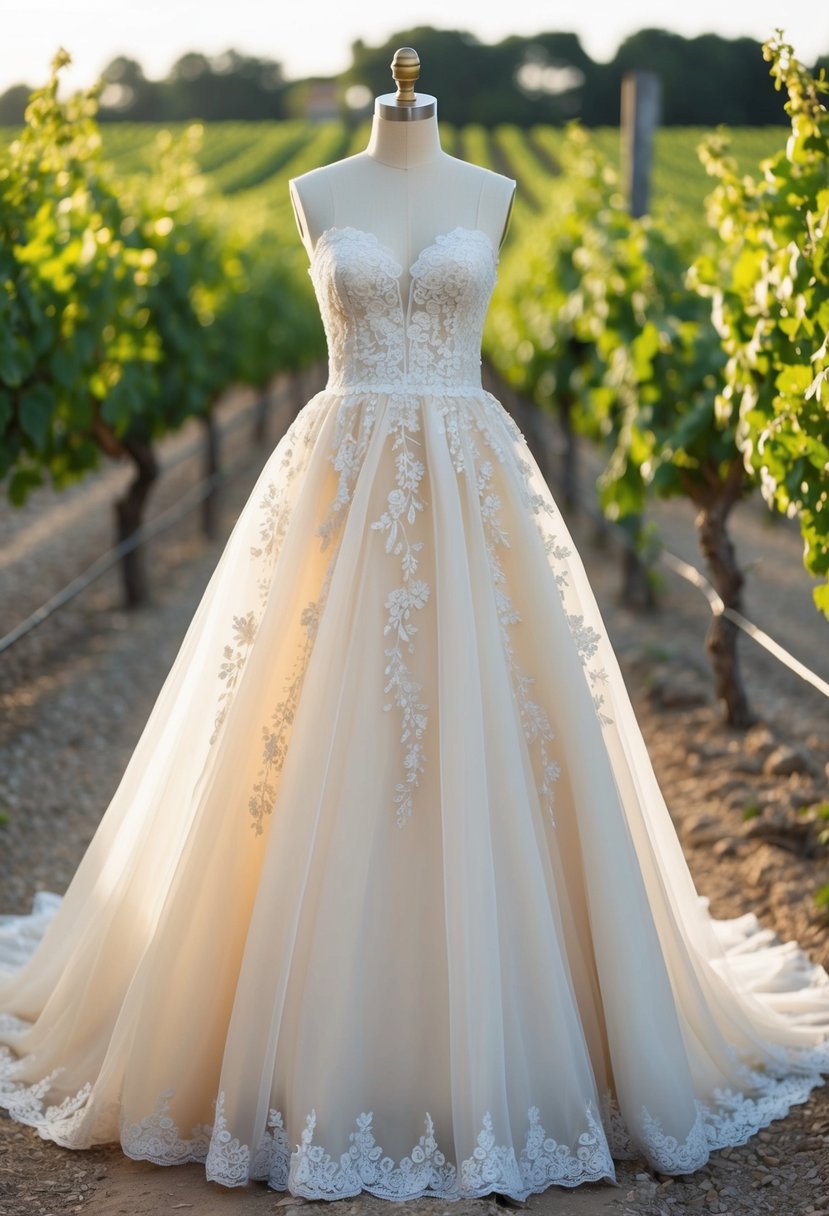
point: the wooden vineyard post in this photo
(639, 119)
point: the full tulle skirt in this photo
(388, 897)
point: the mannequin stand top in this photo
(404, 189)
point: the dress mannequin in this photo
(403, 188)
(388, 897)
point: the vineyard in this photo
(156, 302)
(689, 345)
(249, 162)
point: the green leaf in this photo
(21, 482)
(15, 361)
(821, 598)
(36, 405)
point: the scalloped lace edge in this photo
(309, 1170)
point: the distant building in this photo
(323, 100)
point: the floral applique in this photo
(307, 1168)
(535, 723)
(352, 433)
(428, 342)
(233, 661)
(586, 638)
(403, 506)
(274, 518)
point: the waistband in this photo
(418, 387)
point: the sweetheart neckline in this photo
(441, 236)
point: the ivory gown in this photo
(388, 898)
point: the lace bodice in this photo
(429, 340)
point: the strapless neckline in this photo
(395, 267)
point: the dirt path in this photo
(70, 726)
(138, 1190)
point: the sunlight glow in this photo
(316, 38)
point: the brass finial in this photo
(405, 68)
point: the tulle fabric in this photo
(283, 956)
(388, 898)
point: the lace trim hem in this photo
(308, 1169)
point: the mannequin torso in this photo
(405, 190)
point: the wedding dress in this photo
(388, 898)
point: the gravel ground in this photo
(743, 806)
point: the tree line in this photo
(525, 80)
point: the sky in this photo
(311, 37)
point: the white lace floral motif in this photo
(428, 347)
(535, 722)
(357, 285)
(273, 1159)
(402, 509)
(295, 447)
(234, 657)
(308, 1169)
(586, 638)
(352, 432)
(276, 733)
(587, 643)
(374, 338)
(228, 1160)
(452, 282)
(425, 348)
(156, 1138)
(622, 1147)
(729, 1117)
